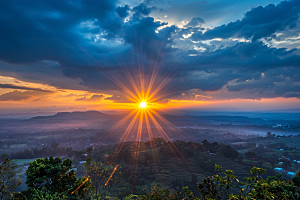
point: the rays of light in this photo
(145, 93)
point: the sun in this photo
(143, 104)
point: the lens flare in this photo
(144, 91)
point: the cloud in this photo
(258, 23)
(196, 21)
(114, 98)
(123, 11)
(92, 98)
(142, 10)
(46, 29)
(86, 43)
(11, 86)
(18, 95)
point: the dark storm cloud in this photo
(250, 56)
(43, 30)
(142, 35)
(91, 40)
(123, 11)
(258, 23)
(33, 31)
(283, 82)
(142, 10)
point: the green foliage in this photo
(159, 193)
(138, 176)
(254, 187)
(208, 190)
(44, 194)
(99, 174)
(53, 177)
(178, 184)
(225, 181)
(10, 178)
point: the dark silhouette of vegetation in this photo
(54, 150)
(10, 178)
(250, 154)
(286, 164)
(272, 160)
(296, 179)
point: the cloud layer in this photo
(255, 57)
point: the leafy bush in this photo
(52, 178)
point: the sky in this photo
(89, 55)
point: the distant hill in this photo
(88, 115)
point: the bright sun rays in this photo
(144, 94)
(144, 117)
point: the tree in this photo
(89, 150)
(250, 154)
(296, 179)
(103, 177)
(55, 177)
(208, 188)
(286, 164)
(254, 187)
(269, 134)
(273, 161)
(44, 194)
(228, 152)
(10, 177)
(240, 158)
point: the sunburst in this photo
(145, 114)
(143, 104)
